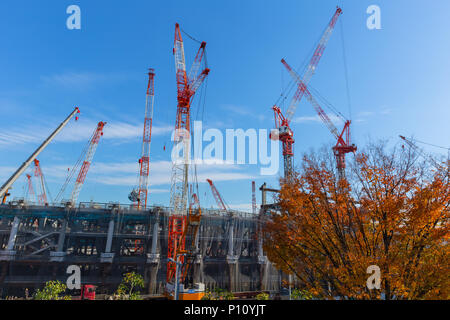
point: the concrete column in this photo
(13, 234)
(9, 253)
(107, 256)
(153, 256)
(59, 254)
(110, 236)
(153, 259)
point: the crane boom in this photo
(313, 64)
(218, 197)
(420, 151)
(321, 113)
(93, 143)
(343, 140)
(27, 162)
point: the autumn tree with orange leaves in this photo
(392, 211)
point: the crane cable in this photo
(74, 169)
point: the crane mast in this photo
(30, 190)
(140, 201)
(181, 225)
(42, 196)
(186, 88)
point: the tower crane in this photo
(7, 185)
(87, 155)
(343, 145)
(282, 122)
(180, 226)
(139, 198)
(42, 196)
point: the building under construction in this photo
(38, 243)
(220, 248)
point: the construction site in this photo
(182, 250)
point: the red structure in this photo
(343, 145)
(187, 85)
(282, 123)
(42, 196)
(92, 147)
(217, 196)
(140, 200)
(30, 191)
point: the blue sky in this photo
(398, 79)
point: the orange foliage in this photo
(392, 211)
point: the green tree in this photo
(218, 294)
(127, 289)
(262, 296)
(298, 294)
(52, 291)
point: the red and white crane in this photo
(86, 157)
(218, 197)
(282, 122)
(30, 195)
(93, 144)
(343, 145)
(139, 198)
(42, 195)
(179, 224)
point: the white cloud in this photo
(80, 130)
(160, 173)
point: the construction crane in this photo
(413, 146)
(86, 157)
(29, 195)
(343, 145)
(139, 197)
(282, 122)
(4, 189)
(42, 195)
(218, 198)
(179, 224)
